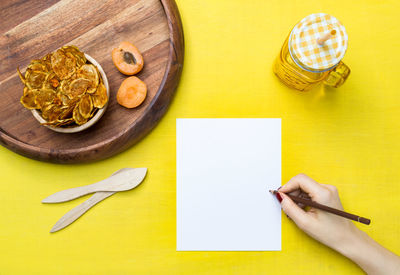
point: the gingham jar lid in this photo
(306, 51)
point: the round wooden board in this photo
(96, 27)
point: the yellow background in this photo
(349, 137)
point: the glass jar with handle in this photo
(313, 53)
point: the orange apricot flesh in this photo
(132, 92)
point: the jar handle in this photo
(338, 75)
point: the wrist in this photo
(351, 243)
(369, 255)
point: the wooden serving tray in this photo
(32, 28)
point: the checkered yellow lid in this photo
(306, 45)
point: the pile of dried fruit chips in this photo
(64, 87)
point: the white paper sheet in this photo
(225, 168)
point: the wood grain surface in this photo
(96, 27)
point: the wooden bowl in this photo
(93, 120)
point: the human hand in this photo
(334, 231)
(329, 229)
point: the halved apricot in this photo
(132, 92)
(127, 58)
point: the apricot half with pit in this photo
(127, 58)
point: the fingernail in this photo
(278, 196)
(279, 187)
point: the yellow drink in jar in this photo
(312, 54)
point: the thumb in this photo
(298, 215)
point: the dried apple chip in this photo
(28, 100)
(58, 123)
(45, 110)
(64, 122)
(63, 64)
(79, 56)
(38, 65)
(86, 106)
(51, 112)
(47, 61)
(79, 119)
(45, 97)
(34, 79)
(51, 81)
(21, 77)
(90, 73)
(67, 110)
(100, 96)
(78, 87)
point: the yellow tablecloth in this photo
(349, 137)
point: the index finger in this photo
(303, 182)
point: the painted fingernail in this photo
(278, 196)
(279, 187)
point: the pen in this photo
(309, 202)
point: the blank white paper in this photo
(225, 168)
